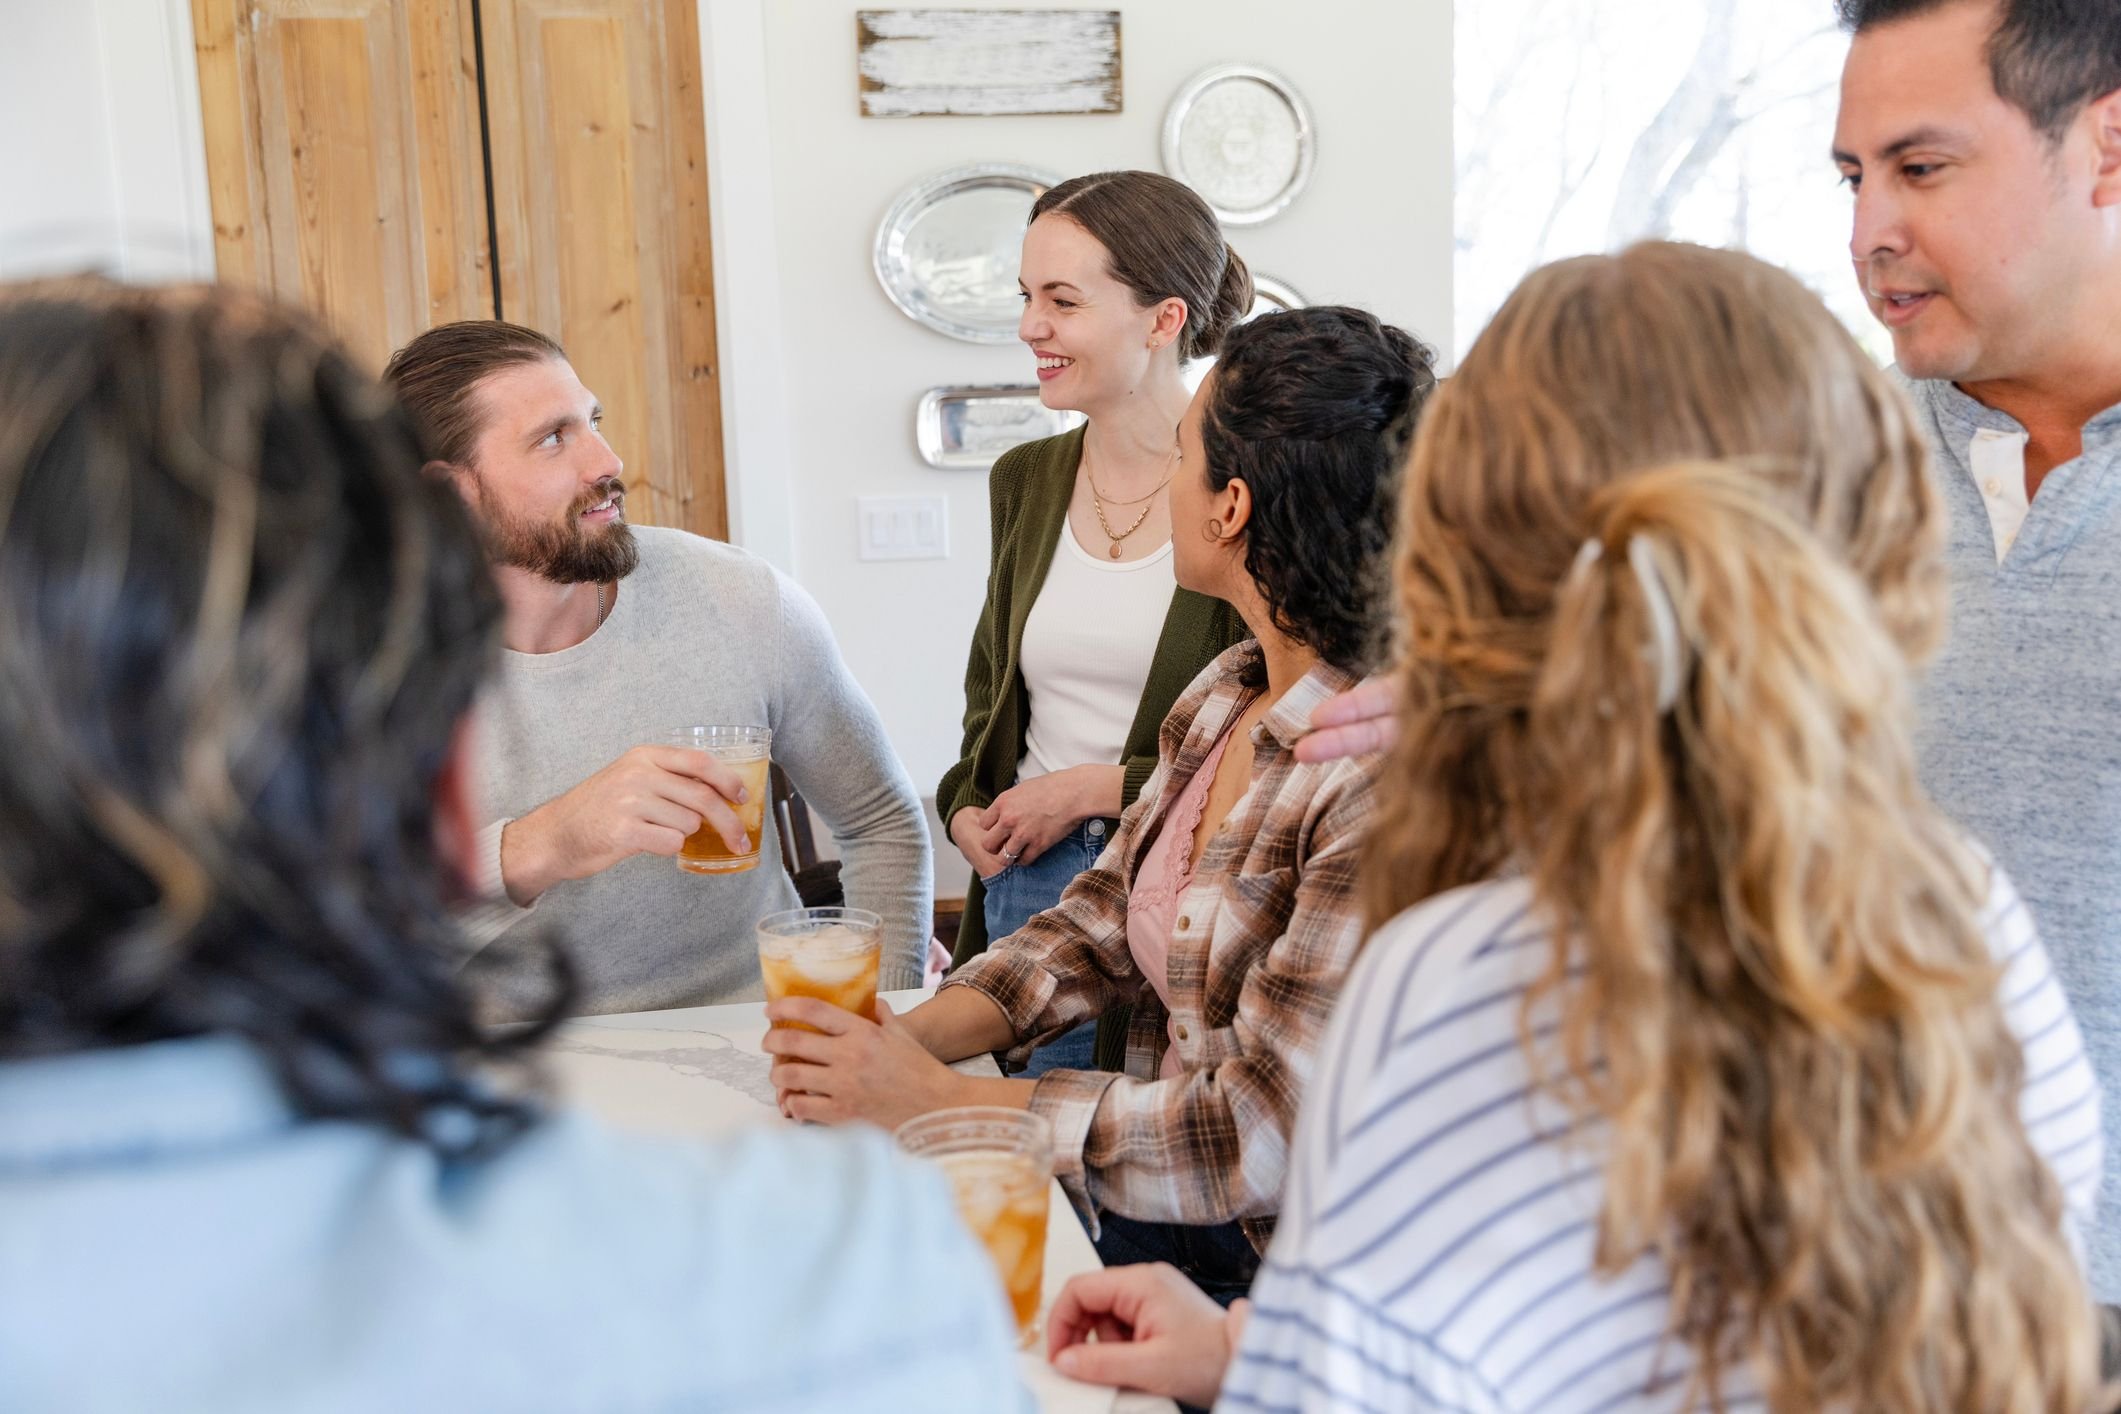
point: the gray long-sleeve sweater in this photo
(701, 634)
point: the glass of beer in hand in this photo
(748, 751)
(827, 953)
(1000, 1166)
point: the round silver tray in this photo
(947, 251)
(1242, 137)
(1271, 296)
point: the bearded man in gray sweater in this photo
(616, 637)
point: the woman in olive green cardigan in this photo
(1085, 640)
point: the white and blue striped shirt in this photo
(1436, 1241)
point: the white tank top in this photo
(1087, 649)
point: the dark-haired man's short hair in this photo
(2047, 58)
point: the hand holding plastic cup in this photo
(748, 752)
(827, 953)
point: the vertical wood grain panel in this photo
(346, 224)
(589, 145)
(452, 163)
(347, 172)
(223, 115)
(600, 201)
(704, 493)
(344, 160)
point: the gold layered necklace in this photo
(1098, 501)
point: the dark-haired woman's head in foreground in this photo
(1289, 464)
(239, 633)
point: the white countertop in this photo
(699, 1072)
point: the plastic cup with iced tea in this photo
(827, 953)
(748, 751)
(1000, 1166)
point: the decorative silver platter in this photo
(947, 251)
(1241, 136)
(971, 426)
(1271, 296)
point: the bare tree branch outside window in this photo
(1583, 125)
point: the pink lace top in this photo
(1165, 874)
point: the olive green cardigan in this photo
(1027, 501)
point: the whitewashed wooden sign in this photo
(984, 63)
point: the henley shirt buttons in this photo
(1184, 923)
(1993, 487)
(1181, 1031)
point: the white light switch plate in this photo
(904, 527)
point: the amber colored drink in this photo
(704, 850)
(999, 1163)
(746, 751)
(827, 953)
(1002, 1198)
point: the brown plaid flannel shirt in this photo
(1264, 937)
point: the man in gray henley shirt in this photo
(1983, 138)
(614, 638)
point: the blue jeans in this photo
(1022, 890)
(1218, 1259)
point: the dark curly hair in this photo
(238, 632)
(1314, 409)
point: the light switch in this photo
(904, 527)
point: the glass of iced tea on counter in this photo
(999, 1163)
(827, 953)
(748, 751)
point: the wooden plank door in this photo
(598, 144)
(344, 160)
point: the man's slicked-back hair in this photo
(2047, 58)
(435, 374)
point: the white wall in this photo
(1373, 228)
(104, 165)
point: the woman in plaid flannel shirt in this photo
(1225, 910)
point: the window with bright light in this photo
(1583, 125)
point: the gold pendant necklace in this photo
(1133, 501)
(1097, 503)
(1116, 536)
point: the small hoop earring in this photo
(1212, 532)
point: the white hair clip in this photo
(1665, 648)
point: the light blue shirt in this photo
(173, 1238)
(2021, 720)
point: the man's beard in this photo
(565, 552)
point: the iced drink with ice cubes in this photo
(827, 953)
(999, 1163)
(748, 752)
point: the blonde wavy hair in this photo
(1785, 1010)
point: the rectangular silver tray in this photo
(970, 426)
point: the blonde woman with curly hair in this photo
(1697, 1062)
